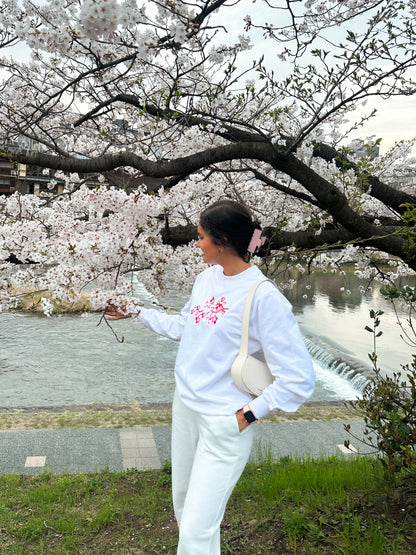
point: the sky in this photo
(395, 120)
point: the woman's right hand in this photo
(113, 312)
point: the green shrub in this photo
(388, 405)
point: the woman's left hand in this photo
(242, 422)
(113, 312)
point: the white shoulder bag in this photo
(250, 374)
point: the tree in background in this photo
(171, 90)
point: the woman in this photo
(212, 429)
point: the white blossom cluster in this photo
(90, 241)
(56, 26)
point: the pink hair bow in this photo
(256, 241)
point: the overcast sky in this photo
(395, 120)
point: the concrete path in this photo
(142, 448)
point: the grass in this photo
(133, 414)
(334, 506)
(83, 416)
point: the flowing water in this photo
(331, 310)
(71, 360)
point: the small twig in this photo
(52, 528)
(109, 325)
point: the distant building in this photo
(25, 179)
(404, 178)
(8, 177)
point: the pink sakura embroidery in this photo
(211, 310)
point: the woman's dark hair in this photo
(229, 224)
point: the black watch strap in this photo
(248, 415)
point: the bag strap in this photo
(246, 316)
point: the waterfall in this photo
(328, 358)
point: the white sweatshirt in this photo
(209, 330)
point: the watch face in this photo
(249, 416)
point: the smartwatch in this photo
(248, 415)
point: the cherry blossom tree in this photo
(179, 91)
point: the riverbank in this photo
(32, 302)
(112, 415)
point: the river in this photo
(67, 360)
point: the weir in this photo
(329, 358)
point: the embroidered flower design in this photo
(210, 311)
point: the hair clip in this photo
(256, 241)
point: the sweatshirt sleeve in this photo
(286, 355)
(168, 325)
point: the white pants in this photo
(209, 454)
